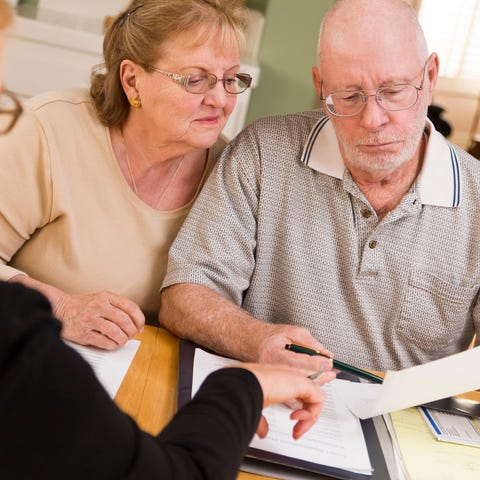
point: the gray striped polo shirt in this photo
(281, 229)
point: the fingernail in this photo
(316, 375)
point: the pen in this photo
(336, 363)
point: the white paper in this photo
(450, 427)
(414, 386)
(401, 470)
(335, 440)
(110, 367)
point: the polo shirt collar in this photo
(438, 183)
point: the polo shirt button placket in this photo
(372, 244)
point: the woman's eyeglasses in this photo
(203, 82)
(10, 110)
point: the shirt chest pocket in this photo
(435, 313)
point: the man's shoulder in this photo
(468, 174)
(469, 164)
(297, 121)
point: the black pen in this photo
(336, 363)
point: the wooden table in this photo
(149, 391)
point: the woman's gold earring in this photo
(135, 102)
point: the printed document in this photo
(336, 439)
(110, 367)
(451, 427)
(414, 386)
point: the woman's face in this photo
(169, 114)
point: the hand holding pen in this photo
(345, 367)
(271, 348)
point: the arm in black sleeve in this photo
(215, 428)
(57, 422)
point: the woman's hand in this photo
(102, 319)
(281, 384)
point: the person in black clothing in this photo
(57, 421)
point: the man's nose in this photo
(373, 113)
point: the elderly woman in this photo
(96, 185)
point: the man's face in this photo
(377, 139)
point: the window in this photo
(452, 28)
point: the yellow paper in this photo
(426, 458)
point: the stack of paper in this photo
(110, 367)
(336, 440)
(425, 458)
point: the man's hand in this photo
(272, 348)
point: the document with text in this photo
(446, 377)
(336, 440)
(110, 367)
(450, 427)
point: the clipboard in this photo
(261, 460)
(457, 405)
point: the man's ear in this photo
(432, 71)
(317, 82)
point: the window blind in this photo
(452, 29)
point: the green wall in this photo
(257, 4)
(287, 54)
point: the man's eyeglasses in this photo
(203, 82)
(10, 110)
(349, 103)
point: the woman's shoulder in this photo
(66, 107)
(72, 96)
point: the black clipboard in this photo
(377, 459)
(457, 405)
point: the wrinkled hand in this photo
(272, 348)
(102, 319)
(281, 383)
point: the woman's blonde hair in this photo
(6, 14)
(139, 33)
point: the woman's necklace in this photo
(172, 178)
(132, 178)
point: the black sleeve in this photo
(57, 422)
(215, 428)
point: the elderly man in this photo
(355, 231)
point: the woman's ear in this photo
(129, 78)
